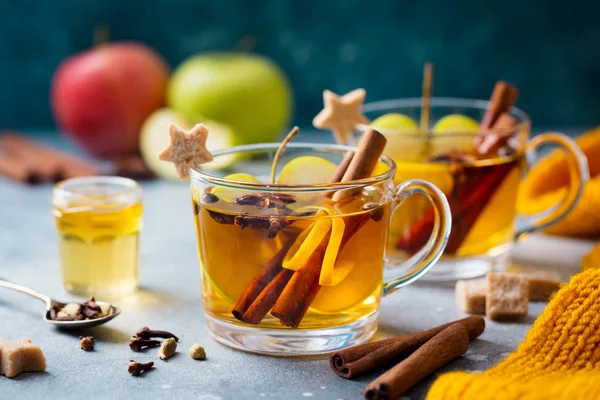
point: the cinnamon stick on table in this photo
(365, 358)
(444, 347)
(303, 286)
(51, 164)
(18, 171)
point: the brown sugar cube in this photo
(542, 284)
(507, 296)
(20, 356)
(470, 295)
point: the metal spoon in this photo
(87, 323)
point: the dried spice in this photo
(209, 198)
(376, 211)
(89, 309)
(139, 344)
(272, 224)
(197, 352)
(147, 333)
(266, 200)
(87, 343)
(167, 348)
(135, 368)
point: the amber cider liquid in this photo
(482, 197)
(230, 257)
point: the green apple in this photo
(245, 91)
(154, 138)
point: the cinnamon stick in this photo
(51, 164)
(258, 285)
(260, 295)
(363, 162)
(132, 166)
(13, 168)
(504, 96)
(473, 196)
(341, 170)
(444, 347)
(503, 130)
(362, 359)
(304, 284)
(472, 206)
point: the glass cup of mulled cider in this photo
(478, 163)
(295, 267)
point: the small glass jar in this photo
(98, 220)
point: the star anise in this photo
(266, 200)
(272, 224)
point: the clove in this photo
(209, 198)
(266, 200)
(139, 344)
(376, 211)
(135, 368)
(87, 343)
(147, 333)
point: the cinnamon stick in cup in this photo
(304, 284)
(258, 285)
(503, 129)
(338, 175)
(444, 347)
(266, 287)
(365, 358)
(504, 96)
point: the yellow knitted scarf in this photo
(559, 359)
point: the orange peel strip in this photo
(306, 243)
(332, 272)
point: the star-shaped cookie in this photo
(187, 149)
(341, 113)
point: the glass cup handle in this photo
(416, 266)
(579, 175)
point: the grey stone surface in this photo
(170, 298)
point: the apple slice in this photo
(397, 122)
(306, 170)
(154, 137)
(402, 134)
(455, 124)
(229, 194)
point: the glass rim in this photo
(67, 188)
(280, 187)
(380, 105)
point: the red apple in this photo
(101, 97)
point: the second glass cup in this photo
(481, 190)
(287, 269)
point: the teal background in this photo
(551, 50)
